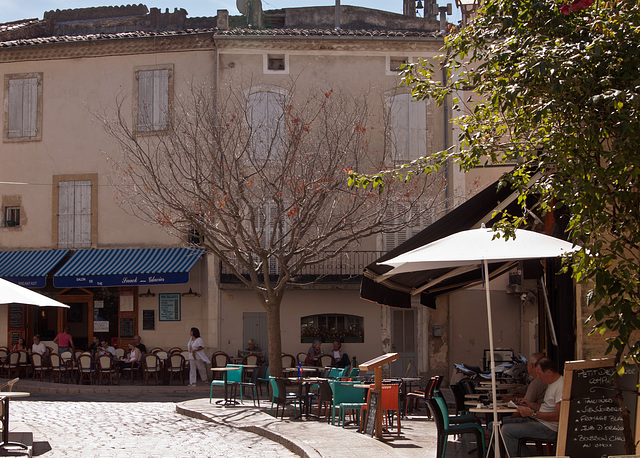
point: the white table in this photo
(224, 371)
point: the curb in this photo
(299, 449)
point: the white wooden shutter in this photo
(82, 217)
(74, 214)
(153, 100)
(267, 123)
(22, 107)
(408, 127)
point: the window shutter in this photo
(160, 99)
(400, 127)
(417, 128)
(267, 123)
(145, 100)
(65, 214)
(82, 217)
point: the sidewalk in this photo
(307, 438)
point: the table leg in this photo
(5, 425)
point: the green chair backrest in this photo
(335, 372)
(274, 387)
(443, 408)
(346, 392)
(354, 372)
(234, 376)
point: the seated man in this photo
(106, 348)
(534, 395)
(541, 423)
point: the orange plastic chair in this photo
(389, 402)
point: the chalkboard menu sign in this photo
(126, 327)
(590, 416)
(169, 305)
(372, 408)
(16, 316)
(148, 320)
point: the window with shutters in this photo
(408, 127)
(270, 226)
(266, 123)
(154, 92)
(23, 107)
(76, 217)
(417, 218)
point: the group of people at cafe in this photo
(538, 412)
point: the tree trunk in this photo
(275, 339)
(629, 445)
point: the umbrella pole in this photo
(495, 434)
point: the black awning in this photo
(396, 291)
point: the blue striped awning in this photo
(29, 268)
(126, 267)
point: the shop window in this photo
(327, 327)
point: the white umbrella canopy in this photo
(481, 247)
(10, 293)
(477, 245)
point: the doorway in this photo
(403, 342)
(79, 315)
(254, 326)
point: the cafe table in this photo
(304, 395)
(225, 370)
(5, 396)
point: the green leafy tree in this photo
(554, 88)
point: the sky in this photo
(13, 10)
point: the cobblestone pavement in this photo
(98, 425)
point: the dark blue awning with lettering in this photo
(127, 267)
(29, 268)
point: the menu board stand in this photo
(590, 423)
(376, 364)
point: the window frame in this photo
(323, 331)
(38, 77)
(93, 218)
(279, 122)
(265, 63)
(12, 213)
(155, 128)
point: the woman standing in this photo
(64, 341)
(197, 357)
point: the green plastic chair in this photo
(440, 414)
(346, 397)
(233, 378)
(280, 397)
(335, 372)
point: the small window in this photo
(275, 62)
(328, 327)
(194, 237)
(396, 62)
(12, 216)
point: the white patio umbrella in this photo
(480, 247)
(10, 293)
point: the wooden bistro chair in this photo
(175, 367)
(288, 360)
(12, 365)
(85, 368)
(151, 367)
(105, 367)
(326, 360)
(219, 359)
(58, 368)
(40, 369)
(25, 363)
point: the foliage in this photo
(555, 88)
(264, 191)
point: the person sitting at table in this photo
(138, 343)
(534, 396)
(20, 345)
(106, 348)
(541, 423)
(95, 344)
(313, 355)
(339, 359)
(38, 347)
(132, 358)
(252, 346)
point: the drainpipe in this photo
(447, 169)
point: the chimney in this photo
(409, 8)
(337, 24)
(222, 20)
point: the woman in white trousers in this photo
(197, 357)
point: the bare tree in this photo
(262, 177)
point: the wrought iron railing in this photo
(346, 267)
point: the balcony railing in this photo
(347, 267)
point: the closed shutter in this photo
(74, 214)
(267, 123)
(22, 107)
(408, 127)
(153, 100)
